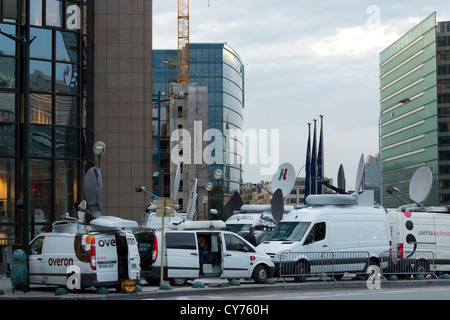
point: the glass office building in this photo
(57, 109)
(416, 133)
(220, 69)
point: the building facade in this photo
(414, 134)
(85, 84)
(219, 68)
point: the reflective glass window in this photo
(7, 139)
(7, 72)
(66, 142)
(36, 12)
(40, 75)
(41, 187)
(8, 46)
(66, 46)
(7, 106)
(53, 13)
(40, 108)
(7, 201)
(65, 185)
(40, 141)
(66, 78)
(66, 111)
(41, 47)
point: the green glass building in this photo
(414, 110)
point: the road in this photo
(407, 293)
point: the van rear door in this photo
(134, 262)
(106, 258)
(182, 255)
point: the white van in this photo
(73, 259)
(227, 256)
(422, 230)
(326, 227)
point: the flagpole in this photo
(308, 165)
(320, 167)
(314, 162)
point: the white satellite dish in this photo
(176, 183)
(359, 174)
(284, 179)
(192, 201)
(420, 184)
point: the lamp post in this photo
(99, 149)
(218, 174)
(209, 186)
(400, 102)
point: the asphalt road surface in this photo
(407, 293)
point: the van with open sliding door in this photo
(225, 255)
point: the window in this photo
(317, 233)
(181, 240)
(180, 112)
(36, 246)
(233, 243)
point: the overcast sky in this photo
(303, 59)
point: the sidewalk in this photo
(211, 286)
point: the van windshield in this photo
(238, 227)
(293, 231)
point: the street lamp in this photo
(400, 102)
(99, 149)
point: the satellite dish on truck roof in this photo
(277, 205)
(284, 179)
(420, 184)
(93, 189)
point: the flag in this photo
(314, 162)
(320, 157)
(308, 165)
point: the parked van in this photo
(226, 255)
(104, 256)
(257, 216)
(425, 229)
(333, 223)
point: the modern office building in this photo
(219, 68)
(414, 112)
(87, 82)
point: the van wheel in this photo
(178, 281)
(260, 274)
(301, 269)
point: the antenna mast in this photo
(183, 41)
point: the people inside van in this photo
(250, 236)
(203, 252)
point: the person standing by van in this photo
(250, 236)
(203, 250)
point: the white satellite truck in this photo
(88, 251)
(344, 224)
(260, 216)
(420, 235)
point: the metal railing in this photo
(405, 264)
(301, 265)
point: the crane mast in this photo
(183, 41)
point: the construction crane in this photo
(183, 41)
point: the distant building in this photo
(372, 175)
(218, 67)
(415, 134)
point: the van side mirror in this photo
(309, 239)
